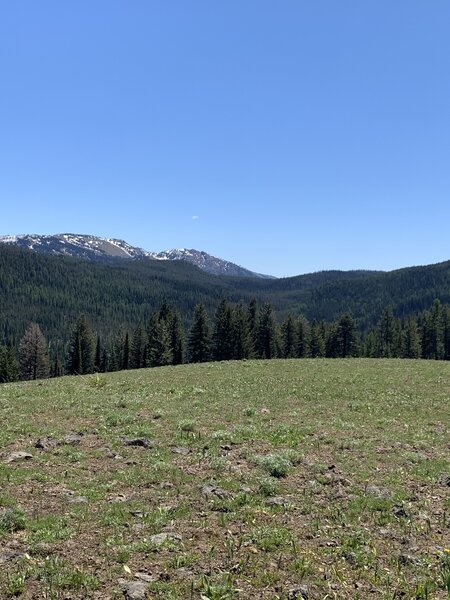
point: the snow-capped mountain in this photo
(92, 247)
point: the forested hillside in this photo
(54, 291)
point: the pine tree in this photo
(267, 334)
(222, 340)
(411, 339)
(346, 337)
(253, 319)
(317, 340)
(33, 354)
(9, 367)
(385, 334)
(80, 358)
(200, 336)
(288, 338)
(98, 355)
(138, 348)
(177, 339)
(433, 333)
(161, 351)
(303, 337)
(242, 347)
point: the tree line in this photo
(234, 332)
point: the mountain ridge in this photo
(96, 248)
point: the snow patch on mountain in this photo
(92, 247)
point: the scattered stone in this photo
(399, 512)
(378, 492)
(8, 555)
(246, 489)
(167, 485)
(210, 490)
(134, 590)
(130, 463)
(160, 538)
(118, 498)
(226, 447)
(142, 442)
(72, 439)
(276, 501)
(46, 443)
(444, 480)
(107, 452)
(180, 450)
(144, 576)
(18, 456)
(78, 500)
(300, 591)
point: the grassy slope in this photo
(336, 427)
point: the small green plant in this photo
(186, 426)
(11, 519)
(97, 381)
(249, 411)
(277, 465)
(268, 486)
(222, 590)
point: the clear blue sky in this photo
(287, 136)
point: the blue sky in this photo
(301, 135)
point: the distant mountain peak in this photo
(91, 247)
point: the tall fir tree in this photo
(200, 336)
(222, 340)
(317, 340)
(410, 339)
(81, 351)
(33, 354)
(288, 338)
(303, 337)
(242, 347)
(9, 366)
(386, 334)
(267, 334)
(138, 350)
(177, 339)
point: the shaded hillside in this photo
(54, 290)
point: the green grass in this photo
(352, 450)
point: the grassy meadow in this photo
(275, 479)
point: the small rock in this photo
(77, 500)
(276, 501)
(444, 480)
(246, 489)
(300, 591)
(46, 443)
(167, 485)
(180, 450)
(134, 590)
(73, 439)
(144, 576)
(142, 442)
(118, 498)
(226, 447)
(160, 538)
(399, 511)
(18, 456)
(378, 492)
(210, 490)
(8, 555)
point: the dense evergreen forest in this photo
(235, 332)
(161, 304)
(54, 290)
